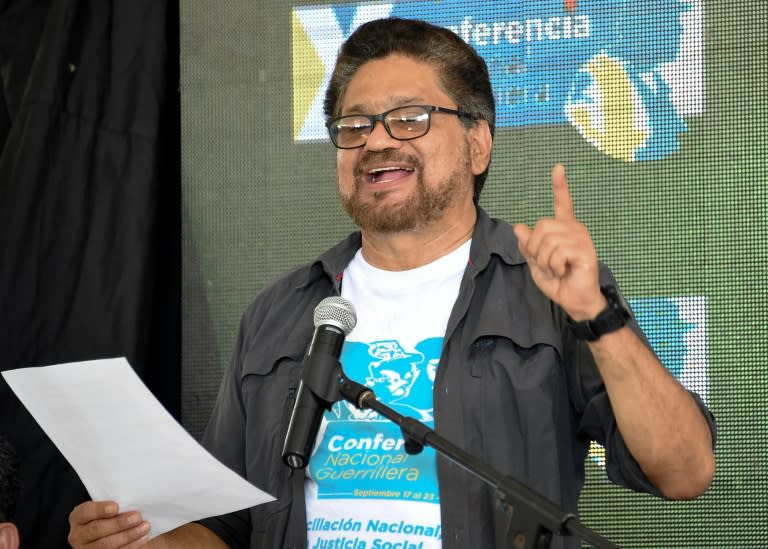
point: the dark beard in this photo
(423, 207)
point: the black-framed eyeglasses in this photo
(402, 123)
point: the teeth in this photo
(390, 169)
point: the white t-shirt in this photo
(363, 490)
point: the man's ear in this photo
(9, 536)
(480, 143)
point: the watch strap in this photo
(614, 316)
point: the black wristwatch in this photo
(615, 315)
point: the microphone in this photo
(334, 319)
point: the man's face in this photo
(392, 186)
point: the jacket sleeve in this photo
(225, 438)
(247, 428)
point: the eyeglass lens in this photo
(402, 123)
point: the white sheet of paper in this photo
(126, 447)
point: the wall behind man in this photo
(672, 186)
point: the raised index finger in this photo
(561, 197)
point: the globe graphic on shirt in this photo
(626, 115)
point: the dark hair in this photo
(9, 481)
(463, 73)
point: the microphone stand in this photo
(534, 517)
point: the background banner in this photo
(658, 111)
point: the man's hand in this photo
(561, 256)
(100, 525)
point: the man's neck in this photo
(417, 247)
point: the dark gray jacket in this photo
(513, 388)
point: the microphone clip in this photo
(323, 379)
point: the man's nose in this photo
(379, 138)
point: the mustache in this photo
(369, 158)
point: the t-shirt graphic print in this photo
(363, 489)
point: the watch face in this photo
(614, 316)
(614, 297)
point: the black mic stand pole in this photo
(534, 518)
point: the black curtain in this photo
(89, 214)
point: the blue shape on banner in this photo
(596, 65)
(345, 15)
(665, 329)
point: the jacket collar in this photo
(332, 263)
(492, 237)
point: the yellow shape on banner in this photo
(308, 74)
(617, 136)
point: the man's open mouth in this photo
(388, 174)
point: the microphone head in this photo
(336, 311)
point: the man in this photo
(9, 487)
(523, 380)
